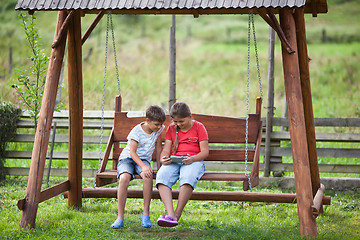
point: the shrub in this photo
(9, 115)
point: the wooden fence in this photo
(278, 140)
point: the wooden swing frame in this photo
(291, 31)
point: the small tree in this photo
(31, 82)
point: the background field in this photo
(211, 61)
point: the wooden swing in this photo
(224, 130)
(292, 33)
(240, 140)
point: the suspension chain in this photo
(103, 95)
(115, 58)
(257, 57)
(247, 102)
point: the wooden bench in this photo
(226, 141)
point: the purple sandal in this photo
(167, 221)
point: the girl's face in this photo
(183, 123)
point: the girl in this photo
(187, 138)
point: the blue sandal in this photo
(145, 221)
(119, 223)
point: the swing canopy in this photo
(292, 34)
(192, 7)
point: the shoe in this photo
(119, 223)
(167, 221)
(145, 221)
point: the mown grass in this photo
(200, 220)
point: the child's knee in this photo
(125, 178)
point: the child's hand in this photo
(188, 160)
(147, 171)
(165, 160)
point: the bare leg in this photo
(184, 196)
(147, 191)
(122, 193)
(166, 197)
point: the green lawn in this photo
(200, 220)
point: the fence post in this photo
(172, 63)
(51, 151)
(270, 107)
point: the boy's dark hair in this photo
(180, 109)
(155, 113)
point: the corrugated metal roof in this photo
(152, 4)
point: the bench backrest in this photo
(223, 130)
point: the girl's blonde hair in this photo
(179, 110)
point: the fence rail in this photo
(278, 151)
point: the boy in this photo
(136, 158)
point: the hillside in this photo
(211, 60)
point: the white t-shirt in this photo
(146, 143)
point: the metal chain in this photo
(103, 96)
(115, 58)
(247, 102)
(257, 57)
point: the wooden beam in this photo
(92, 26)
(318, 201)
(297, 127)
(48, 193)
(321, 8)
(306, 96)
(280, 31)
(42, 134)
(203, 195)
(63, 30)
(75, 110)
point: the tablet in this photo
(177, 159)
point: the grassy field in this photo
(201, 219)
(210, 49)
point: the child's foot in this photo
(119, 223)
(167, 221)
(145, 221)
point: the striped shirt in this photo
(146, 143)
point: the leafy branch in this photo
(31, 82)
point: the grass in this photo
(201, 219)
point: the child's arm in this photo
(204, 153)
(165, 153)
(145, 169)
(158, 148)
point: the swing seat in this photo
(226, 142)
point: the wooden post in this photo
(75, 110)
(306, 94)
(172, 63)
(42, 134)
(270, 107)
(297, 128)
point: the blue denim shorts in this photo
(186, 174)
(129, 166)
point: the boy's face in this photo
(154, 125)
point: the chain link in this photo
(257, 57)
(115, 58)
(247, 102)
(250, 25)
(103, 96)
